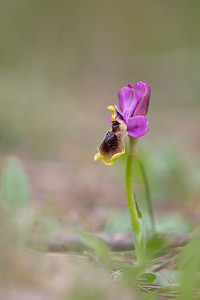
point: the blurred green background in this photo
(63, 62)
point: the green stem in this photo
(135, 214)
(147, 191)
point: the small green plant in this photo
(131, 122)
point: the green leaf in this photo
(167, 278)
(131, 273)
(99, 246)
(189, 264)
(147, 277)
(155, 245)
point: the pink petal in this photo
(137, 126)
(144, 93)
(128, 100)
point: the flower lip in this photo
(112, 146)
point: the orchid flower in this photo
(129, 120)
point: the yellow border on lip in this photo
(114, 112)
(113, 158)
(97, 155)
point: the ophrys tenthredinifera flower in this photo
(129, 120)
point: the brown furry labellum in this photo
(112, 146)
